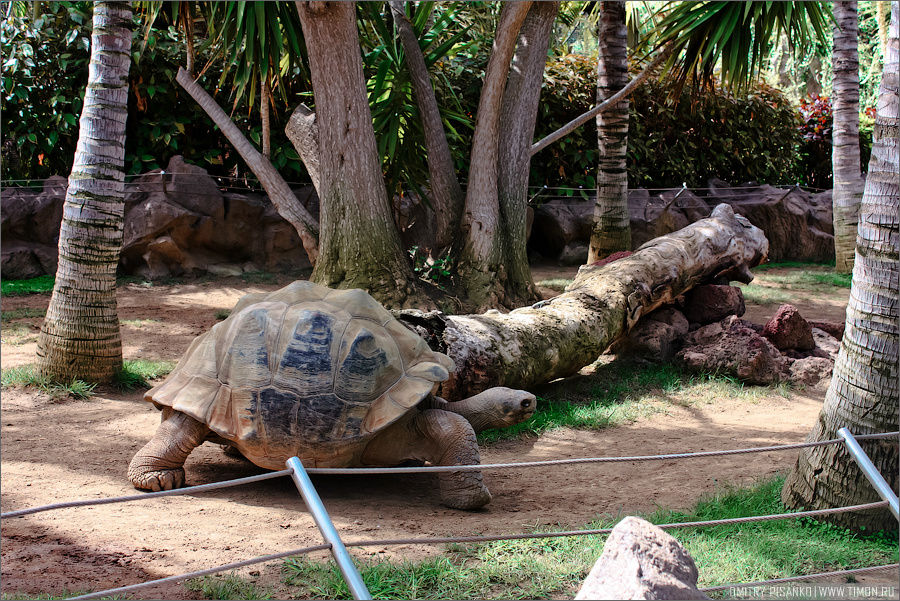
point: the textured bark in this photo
(303, 132)
(80, 336)
(518, 116)
(264, 116)
(556, 338)
(360, 247)
(848, 181)
(446, 194)
(611, 229)
(481, 264)
(864, 394)
(279, 192)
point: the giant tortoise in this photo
(329, 376)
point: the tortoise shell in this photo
(305, 371)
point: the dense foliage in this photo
(707, 133)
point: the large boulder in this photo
(826, 344)
(734, 348)
(652, 216)
(713, 302)
(787, 330)
(656, 337)
(811, 371)
(641, 561)
(29, 221)
(561, 229)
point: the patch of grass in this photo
(23, 313)
(16, 333)
(809, 280)
(258, 277)
(222, 314)
(558, 284)
(138, 323)
(39, 285)
(228, 586)
(555, 568)
(793, 265)
(136, 373)
(621, 392)
(764, 295)
(28, 376)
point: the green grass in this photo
(764, 295)
(558, 284)
(38, 285)
(228, 586)
(136, 373)
(28, 376)
(138, 323)
(555, 568)
(621, 392)
(793, 265)
(222, 314)
(23, 313)
(809, 280)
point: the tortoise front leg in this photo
(442, 438)
(159, 465)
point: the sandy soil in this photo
(64, 450)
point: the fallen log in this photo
(557, 337)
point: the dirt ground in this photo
(70, 449)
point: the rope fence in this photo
(367, 471)
(473, 540)
(481, 538)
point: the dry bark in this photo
(80, 337)
(556, 338)
(848, 181)
(303, 132)
(864, 394)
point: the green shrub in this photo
(705, 134)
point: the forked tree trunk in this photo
(848, 181)
(556, 338)
(518, 116)
(611, 230)
(359, 245)
(281, 195)
(481, 267)
(80, 336)
(446, 194)
(864, 394)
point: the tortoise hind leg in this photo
(159, 465)
(442, 438)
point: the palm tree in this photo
(80, 336)
(611, 230)
(848, 182)
(702, 37)
(864, 394)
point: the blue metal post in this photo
(326, 527)
(871, 472)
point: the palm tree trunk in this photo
(80, 336)
(446, 194)
(360, 247)
(611, 230)
(864, 394)
(281, 195)
(848, 182)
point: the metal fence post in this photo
(326, 527)
(871, 472)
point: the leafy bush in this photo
(814, 156)
(705, 134)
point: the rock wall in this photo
(797, 223)
(177, 222)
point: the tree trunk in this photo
(518, 116)
(279, 192)
(481, 266)
(360, 247)
(446, 195)
(264, 116)
(611, 229)
(848, 181)
(303, 132)
(80, 336)
(864, 394)
(556, 338)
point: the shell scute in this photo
(368, 362)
